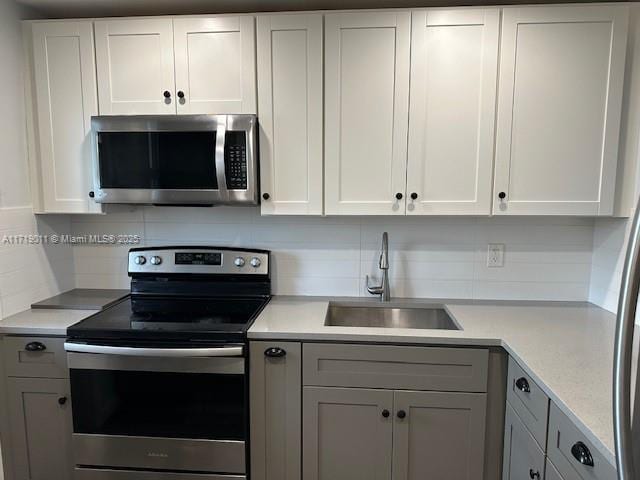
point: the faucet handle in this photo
(372, 289)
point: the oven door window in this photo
(158, 404)
(157, 160)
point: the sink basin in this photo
(385, 316)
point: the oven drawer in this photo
(107, 474)
(159, 453)
(42, 357)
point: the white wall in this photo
(546, 258)
(28, 272)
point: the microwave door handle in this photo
(221, 174)
(622, 357)
(235, 351)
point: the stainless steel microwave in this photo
(175, 159)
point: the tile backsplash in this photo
(546, 258)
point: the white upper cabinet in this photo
(559, 105)
(213, 70)
(215, 64)
(454, 58)
(290, 112)
(366, 108)
(65, 98)
(135, 66)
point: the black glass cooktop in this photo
(160, 319)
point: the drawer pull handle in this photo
(582, 454)
(385, 413)
(401, 414)
(523, 385)
(533, 474)
(35, 347)
(275, 352)
(62, 400)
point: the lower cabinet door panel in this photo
(552, 472)
(40, 417)
(438, 435)
(523, 458)
(347, 433)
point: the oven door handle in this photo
(235, 351)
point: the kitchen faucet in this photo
(383, 290)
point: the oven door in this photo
(169, 409)
(186, 159)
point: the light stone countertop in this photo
(41, 321)
(566, 347)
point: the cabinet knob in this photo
(180, 94)
(167, 94)
(92, 194)
(401, 414)
(266, 196)
(62, 400)
(523, 385)
(275, 352)
(385, 413)
(399, 196)
(414, 196)
(35, 347)
(502, 195)
(533, 474)
(582, 454)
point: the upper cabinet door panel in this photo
(366, 108)
(66, 98)
(135, 66)
(290, 111)
(559, 106)
(454, 58)
(215, 64)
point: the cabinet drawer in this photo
(47, 358)
(397, 367)
(564, 441)
(529, 402)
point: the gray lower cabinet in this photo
(276, 391)
(441, 435)
(552, 472)
(523, 457)
(373, 434)
(347, 433)
(40, 420)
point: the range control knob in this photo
(156, 260)
(255, 262)
(239, 262)
(140, 260)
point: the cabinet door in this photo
(438, 435)
(551, 472)
(346, 435)
(452, 111)
(366, 108)
(135, 66)
(290, 110)
(559, 105)
(276, 390)
(522, 458)
(215, 65)
(40, 428)
(66, 98)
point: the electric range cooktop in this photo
(185, 295)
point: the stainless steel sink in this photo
(385, 316)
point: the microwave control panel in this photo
(235, 159)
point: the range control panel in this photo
(202, 260)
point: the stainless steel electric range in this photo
(159, 381)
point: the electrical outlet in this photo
(495, 255)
